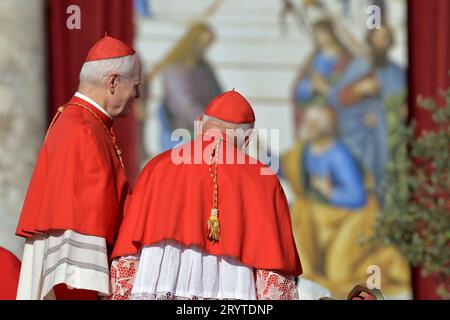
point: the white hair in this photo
(240, 130)
(96, 71)
(231, 125)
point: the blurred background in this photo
(312, 69)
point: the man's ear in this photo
(113, 80)
(246, 141)
(250, 133)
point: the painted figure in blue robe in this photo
(321, 71)
(143, 8)
(331, 174)
(360, 99)
(332, 211)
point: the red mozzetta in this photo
(78, 182)
(173, 201)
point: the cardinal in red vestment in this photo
(76, 196)
(207, 221)
(9, 274)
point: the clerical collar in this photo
(92, 102)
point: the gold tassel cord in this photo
(214, 226)
(116, 147)
(213, 221)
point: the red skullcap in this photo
(231, 107)
(108, 48)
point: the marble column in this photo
(22, 107)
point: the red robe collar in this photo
(105, 119)
(173, 201)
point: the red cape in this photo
(174, 201)
(78, 182)
(9, 275)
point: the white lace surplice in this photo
(170, 270)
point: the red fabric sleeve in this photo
(9, 275)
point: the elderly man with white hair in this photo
(207, 221)
(75, 199)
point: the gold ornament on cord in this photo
(214, 226)
(61, 109)
(213, 221)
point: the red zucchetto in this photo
(232, 107)
(108, 48)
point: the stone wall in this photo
(22, 107)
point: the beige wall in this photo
(22, 107)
